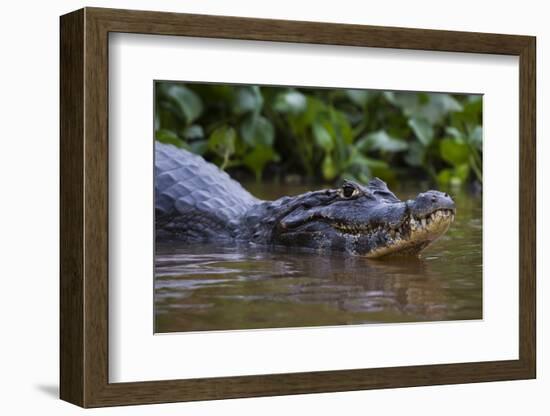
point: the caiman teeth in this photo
(403, 230)
(439, 215)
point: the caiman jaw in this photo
(409, 238)
(415, 234)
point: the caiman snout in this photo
(427, 202)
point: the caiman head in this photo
(362, 220)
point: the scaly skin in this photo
(195, 201)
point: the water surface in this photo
(207, 287)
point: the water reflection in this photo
(206, 287)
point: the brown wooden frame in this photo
(84, 209)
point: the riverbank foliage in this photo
(325, 134)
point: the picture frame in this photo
(84, 216)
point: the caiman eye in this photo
(348, 191)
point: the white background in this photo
(29, 209)
(136, 355)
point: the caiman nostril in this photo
(434, 199)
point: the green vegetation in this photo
(325, 134)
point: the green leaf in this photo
(422, 129)
(380, 140)
(257, 130)
(300, 123)
(247, 99)
(187, 103)
(454, 132)
(292, 101)
(408, 102)
(362, 168)
(169, 137)
(194, 132)
(258, 158)
(438, 107)
(444, 177)
(340, 126)
(328, 168)
(423, 98)
(454, 151)
(462, 172)
(222, 143)
(472, 111)
(476, 137)
(433, 107)
(359, 97)
(416, 155)
(215, 93)
(322, 137)
(447, 102)
(454, 177)
(156, 121)
(378, 168)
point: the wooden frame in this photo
(84, 207)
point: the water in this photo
(207, 287)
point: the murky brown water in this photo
(206, 287)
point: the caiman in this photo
(196, 202)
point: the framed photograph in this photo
(255, 207)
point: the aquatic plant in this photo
(325, 134)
